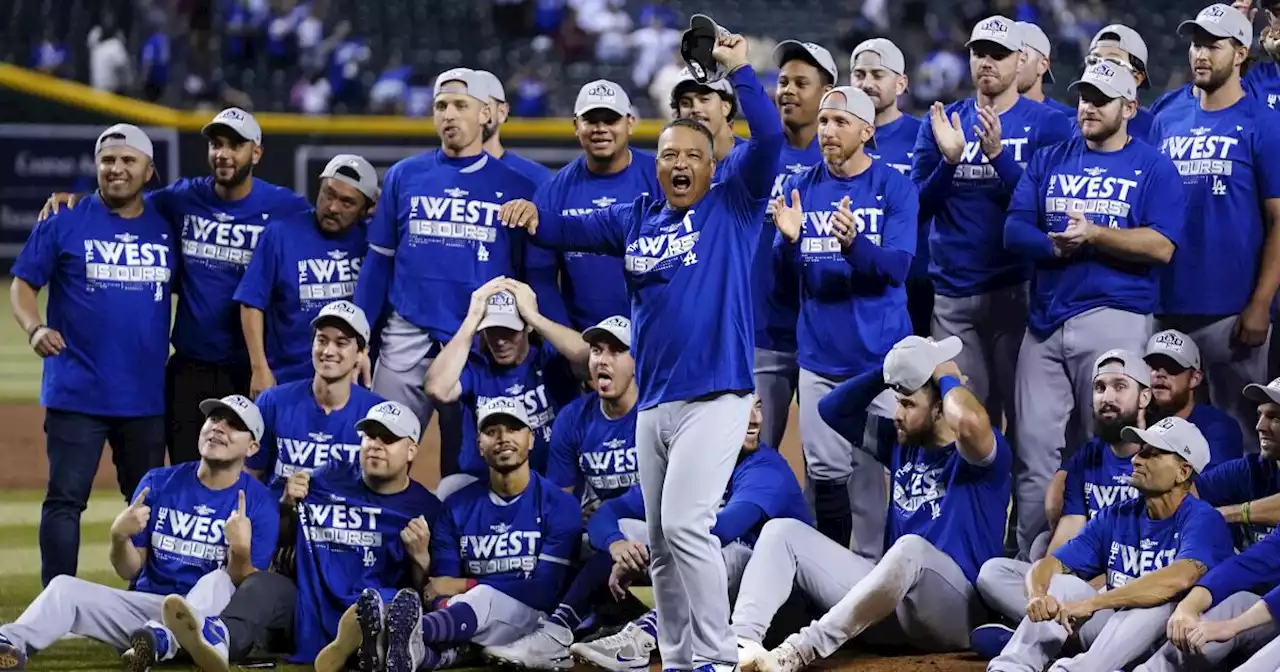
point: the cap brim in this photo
(980, 40)
(1136, 435)
(1176, 357)
(1105, 90)
(1261, 394)
(591, 108)
(365, 422)
(511, 322)
(336, 321)
(593, 334)
(485, 420)
(1189, 27)
(209, 406)
(948, 348)
(210, 127)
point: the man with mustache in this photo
(1246, 490)
(1038, 68)
(1175, 375)
(301, 265)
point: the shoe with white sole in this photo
(749, 654)
(546, 648)
(784, 658)
(625, 651)
(205, 640)
(405, 648)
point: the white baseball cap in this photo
(396, 418)
(125, 135)
(1173, 435)
(687, 82)
(493, 85)
(1176, 346)
(891, 57)
(911, 361)
(849, 99)
(1130, 364)
(237, 121)
(242, 408)
(1220, 21)
(1125, 38)
(349, 314)
(1263, 394)
(1110, 79)
(462, 80)
(356, 171)
(617, 327)
(500, 311)
(602, 94)
(1033, 36)
(997, 30)
(789, 50)
(494, 407)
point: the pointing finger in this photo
(142, 497)
(240, 503)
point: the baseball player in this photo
(435, 239)
(499, 110)
(848, 232)
(218, 221)
(1222, 142)
(693, 359)
(1096, 217)
(968, 159)
(1124, 47)
(310, 423)
(714, 104)
(1263, 77)
(593, 440)
(1174, 359)
(950, 471)
(805, 72)
(609, 171)
(1037, 67)
(300, 266)
(360, 526)
(538, 375)
(1151, 550)
(1246, 490)
(1096, 476)
(109, 267)
(500, 555)
(194, 529)
(878, 67)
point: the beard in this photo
(1108, 429)
(488, 131)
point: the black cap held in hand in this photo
(696, 46)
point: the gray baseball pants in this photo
(1002, 585)
(915, 595)
(1227, 368)
(1055, 403)
(833, 465)
(777, 377)
(736, 554)
(1110, 639)
(1172, 659)
(71, 606)
(687, 451)
(500, 618)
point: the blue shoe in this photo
(204, 639)
(405, 648)
(12, 657)
(372, 616)
(990, 639)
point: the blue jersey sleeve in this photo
(602, 231)
(1166, 208)
(562, 535)
(446, 556)
(1254, 570)
(264, 518)
(374, 283)
(1073, 503)
(736, 519)
(1265, 151)
(1022, 233)
(148, 483)
(760, 159)
(1204, 537)
(38, 260)
(265, 459)
(931, 173)
(844, 408)
(1226, 484)
(603, 528)
(887, 263)
(259, 278)
(1086, 553)
(562, 463)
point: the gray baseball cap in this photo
(242, 408)
(891, 57)
(1112, 80)
(462, 80)
(852, 100)
(501, 311)
(997, 30)
(493, 85)
(1263, 394)
(788, 50)
(348, 314)
(911, 361)
(617, 327)
(396, 418)
(1173, 435)
(355, 171)
(687, 81)
(1033, 37)
(125, 135)
(237, 121)
(1130, 365)
(1220, 21)
(1125, 38)
(602, 94)
(1176, 346)
(494, 407)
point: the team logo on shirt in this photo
(781, 178)
(974, 164)
(659, 253)
(1127, 563)
(817, 230)
(193, 537)
(918, 486)
(294, 455)
(1092, 193)
(341, 524)
(612, 467)
(503, 549)
(452, 220)
(219, 239)
(124, 263)
(324, 280)
(1201, 153)
(535, 403)
(1100, 496)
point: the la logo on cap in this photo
(1170, 340)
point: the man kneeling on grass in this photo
(195, 529)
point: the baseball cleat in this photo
(12, 656)
(627, 650)
(146, 647)
(990, 639)
(204, 640)
(784, 658)
(405, 648)
(546, 648)
(749, 654)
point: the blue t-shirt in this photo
(853, 305)
(300, 436)
(1226, 440)
(1237, 481)
(1125, 543)
(968, 200)
(521, 546)
(109, 281)
(535, 172)
(184, 536)
(218, 241)
(1096, 478)
(689, 272)
(1263, 82)
(1227, 161)
(438, 218)
(543, 382)
(1125, 189)
(1067, 110)
(296, 271)
(348, 540)
(589, 448)
(777, 297)
(593, 285)
(895, 145)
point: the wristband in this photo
(948, 383)
(1244, 513)
(31, 332)
(471, 583)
